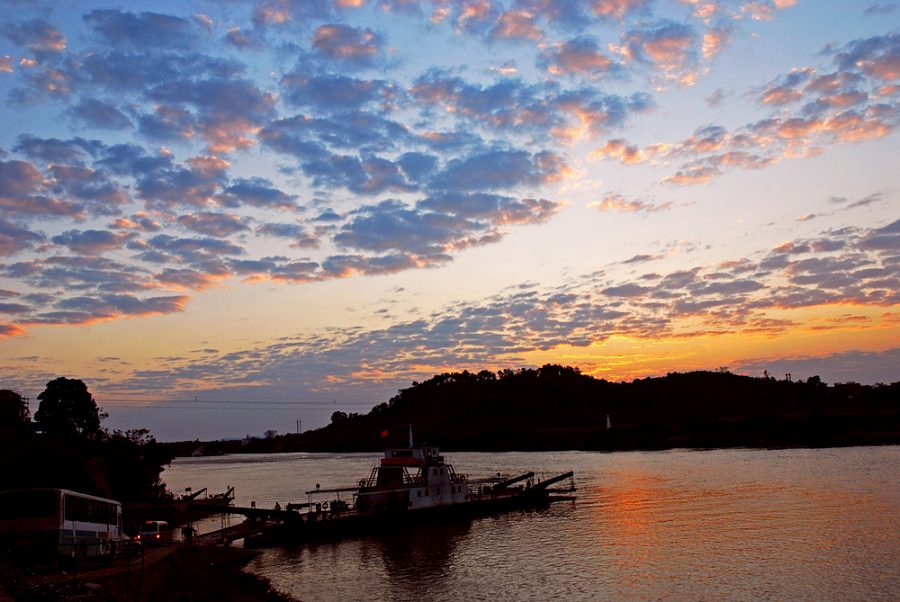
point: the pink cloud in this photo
(615, 8)
(351, 44)
(580, 55)
(517, 25)
(669, 52)
(475, 13)
(758, 11)
(714, 41)
(667, 46)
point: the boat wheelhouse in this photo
(411, 479)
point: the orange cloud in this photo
(781, 96)
(617, 202)
(228, 135)
(190, 279)
(798, 127)
(11, 330)
(852, 127)
(619, 149)
(691, 177)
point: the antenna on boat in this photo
(410, 437)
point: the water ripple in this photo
(677, 525)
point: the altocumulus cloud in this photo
(374, 161)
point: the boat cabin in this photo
(391, 485)
(412, 456)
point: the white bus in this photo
(46, 522)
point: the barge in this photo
(407, 486)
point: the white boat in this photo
(413, 479)
(406, 486)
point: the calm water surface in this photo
(684, 525)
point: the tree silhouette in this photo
(13, 411)
(68, 409)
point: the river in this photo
(795, 524)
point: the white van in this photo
(154, 532)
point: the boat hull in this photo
(313, 527)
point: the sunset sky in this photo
(229, 216)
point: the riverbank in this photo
(210, 574)
(187, 574)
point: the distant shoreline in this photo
(869, 443)
(558, 408)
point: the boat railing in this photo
(408, 480)
(456, 477)
(370, 480)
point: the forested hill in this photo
(557, 407)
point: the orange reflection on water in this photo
(663, 530)
(627, 523)
(626, 506)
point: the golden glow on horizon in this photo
(110, 354)
(815, 332)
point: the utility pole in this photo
(298, 426)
